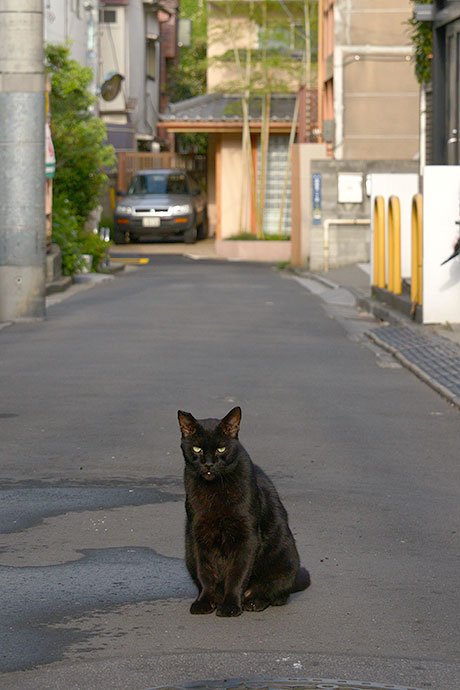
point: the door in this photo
(453, 92)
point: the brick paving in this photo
(434, 359)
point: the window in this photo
(108, 16)
(282, 39)
(151, 58)
(159, 183)
(76, 7)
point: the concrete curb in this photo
(385, 314)
(59, 285)
(415, 369)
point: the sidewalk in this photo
(431, 352)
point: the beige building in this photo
(368, 93)
(231, 31)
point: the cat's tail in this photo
(302, 580)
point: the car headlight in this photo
(179, 210)
(123, 210)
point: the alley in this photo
(365, 457)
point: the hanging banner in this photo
(50, 158)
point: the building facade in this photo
(134, 38)
(129, 40)
(72, 21)
(443, 128)
(368, 93)
(257, 48)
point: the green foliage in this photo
(73, 241)
(91, 243)
(274, 61)
(107, 222)
(82, 157)
(188, 79)
(66, 236)
(421, 34)
(283, 264)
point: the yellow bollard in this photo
(379, 242)
(417, 250)
(394, 246)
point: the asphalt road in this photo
(365, 456)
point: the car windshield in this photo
(158, 183)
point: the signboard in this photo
(50, 158)
(350, 188)
(317, 191)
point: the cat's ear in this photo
(187, 423)
(231, 422)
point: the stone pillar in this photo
(22, 161)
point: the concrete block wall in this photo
(347, 244)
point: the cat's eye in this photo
(196, 449)
(221, 450)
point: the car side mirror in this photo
(120, 193)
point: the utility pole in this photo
(22, 161)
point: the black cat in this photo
(239, 549)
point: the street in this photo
(364, 455)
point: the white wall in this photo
(67, 20)
(115, 58)
(441, 210)
(232, 172)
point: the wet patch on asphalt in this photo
(272, 684)
(21, 509)
(36, 599)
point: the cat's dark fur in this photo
(239, 549)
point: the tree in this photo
(262, 48)
(82, 156)
(188, 79)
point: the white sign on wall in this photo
(441, 210)
(350, 188)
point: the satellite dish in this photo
(111, 86)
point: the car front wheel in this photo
(190, 236)
(203, 229)
(119, 237)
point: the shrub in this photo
(66, 236)
(92, 244)
(82, 159)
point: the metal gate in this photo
(276, 170)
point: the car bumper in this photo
(168, 227)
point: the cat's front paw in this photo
(229, 610)
(201, 606)
(256, 605)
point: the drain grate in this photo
(307, 684)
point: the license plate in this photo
(151, 222)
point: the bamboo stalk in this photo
(288, 164)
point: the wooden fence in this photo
(130, 162)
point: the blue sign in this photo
(317, 191)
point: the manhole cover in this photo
(307, 684)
